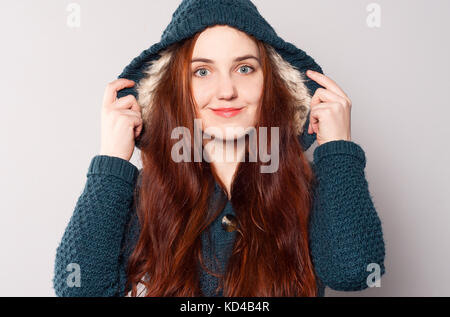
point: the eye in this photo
(201, 69)
(204, 70)
(247, 66)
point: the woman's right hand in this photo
(121, 121)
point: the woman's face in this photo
(226, 73)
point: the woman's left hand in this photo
(330, 116)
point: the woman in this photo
(213, 227)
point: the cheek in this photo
(252, 95)
(201, 93)
(251, 91)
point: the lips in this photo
(227, 112)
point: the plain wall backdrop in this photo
(397, 76)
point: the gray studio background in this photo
(53, 78)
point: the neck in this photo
(224, 157)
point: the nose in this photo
(226, 88)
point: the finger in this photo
(135, 119)
(127, 102)
(324, 95)
(129, 112)
(113, 87)
(138, 124)
(323, 106)
(312, 120)
(316, 100)
(137, 130)
(315, 114)
(326, 82)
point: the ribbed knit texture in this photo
(345, 230)
(93, 237)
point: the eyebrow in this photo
(238, 59)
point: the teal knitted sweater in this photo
(345, 231)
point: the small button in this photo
(229, 223)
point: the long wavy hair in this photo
(271, 255)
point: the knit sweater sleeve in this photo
(88, 258)
(345, 230)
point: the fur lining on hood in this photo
(295, 82)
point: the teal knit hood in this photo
(194, 16)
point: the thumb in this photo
(137, 131)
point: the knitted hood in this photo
(194, 16)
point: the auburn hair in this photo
(271, 255)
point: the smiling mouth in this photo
(227, 112)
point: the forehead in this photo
(224, 42)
